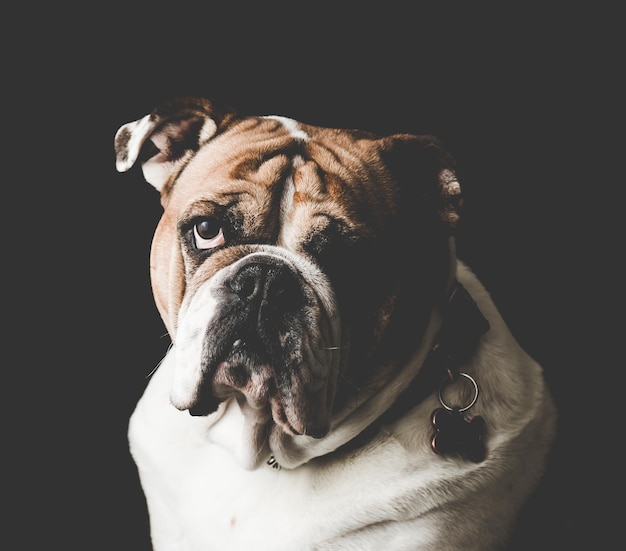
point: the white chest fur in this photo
(200, 498)
(394, 493)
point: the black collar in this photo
(463, 325)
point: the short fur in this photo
(304, 276)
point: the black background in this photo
(527, 101)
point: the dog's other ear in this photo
(165, 138)
(427, 173)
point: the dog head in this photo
(296, 268)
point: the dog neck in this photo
(452, 335)
(463, 325)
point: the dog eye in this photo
(208, 234)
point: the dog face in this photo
(293, 265)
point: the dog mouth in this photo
(269, 341)
(247, 375)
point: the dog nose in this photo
(270, 286)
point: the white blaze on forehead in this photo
(291, 126)
(286, 202)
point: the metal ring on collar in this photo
(447, 381)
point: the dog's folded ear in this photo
(426, 172)
(162, 140)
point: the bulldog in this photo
(337, 379)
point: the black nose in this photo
(268, 288)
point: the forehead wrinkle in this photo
(319, 192)
(265, 170)
(201, 206)
(308, 180)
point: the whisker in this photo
(169, 347)
(154, 369)
(349, 382)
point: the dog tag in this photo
(454, 433)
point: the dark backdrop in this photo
(525, 100)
